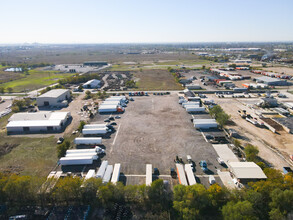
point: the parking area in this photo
(154, 130)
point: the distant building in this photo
(95, 63)
(192, 86)
(37, 122)
(247, 171)
(54, 98)
(271, 81)
(269, 102)
(92, 84)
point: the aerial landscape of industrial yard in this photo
(129, 128)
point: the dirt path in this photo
(260, 137)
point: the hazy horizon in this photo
(143, 22)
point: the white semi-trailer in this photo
(93, 155)
(94, 126)
(107, 108)
(90, 174)
(189, 174)
(184, 105)
(64, 161)
(111, 102)
(108, 174)
(116, 173)
(181, 174)
(88, 141)
(102, 169)
(90, 150)
(149, 175)
(95, 131)
(195, 109)
(205, 123)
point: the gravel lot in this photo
(154, 130)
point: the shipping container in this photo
(95, 131)
(189, 174)
(88, 141)
(149, 174)
(116, 173)
(108, 174)
(91, 126)
(181, 174)
(102, 169)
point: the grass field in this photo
(29, 156)
(156, 80)
(35, 80)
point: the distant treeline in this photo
(267, 199)
(26, 65)
(76, 79)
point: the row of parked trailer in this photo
(113, 104)
(270, 74)
(185, 174)
(192, 106)
(106, 172)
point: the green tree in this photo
(2, 90)
(9, 89)
(282, 201)
(89, 190)
(242, 210)
(222, 119)
(62, 148)
(159, 196)
(88, 94)
(251, 152)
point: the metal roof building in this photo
(271, 81)
(37, 122)
(92, 84)
(54, 97)
(247, 171)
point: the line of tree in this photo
(8, 89)
(76, 79)
(267, 199)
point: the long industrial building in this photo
(38, 122)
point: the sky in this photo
(145, 21)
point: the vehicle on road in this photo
(220, 161)
(212, 179)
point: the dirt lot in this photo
(285, 70)
(259, 137)
(156, 80)
(154, 130)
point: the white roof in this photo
(93, 82)
(247, 170)
(54, 93)
(38, 116)
(33, 123)
(225, 153)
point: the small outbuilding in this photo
(92, 84)
(247, 171)
(54, 98)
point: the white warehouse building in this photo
(92, 84)
(54, 98)
(37, 122)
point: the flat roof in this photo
(247, 170)
(33, 123)
(38, 116)
(54, 93)
(268, 79)
(225, 153)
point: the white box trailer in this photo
(108, 174)
(102, 169)
(77, 151)
(64, 161)
(116, 173)
(90, 174)
(110, 102)
(95, 131)
(107, 108)
(91, 154)
(189, 174)
(149, 175)
(195, 109)
(205, 123)
(95, 126)
(88, 141)
(184, 105)
(181, 174)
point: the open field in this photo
(285, 70)
(156, 80)
(8, 76)
(35, 80)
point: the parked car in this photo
(117, 117)
(212, 179)
(75, 132)
(156, 171)
(131, 99)
(113, 123)
(106, 120)
(203, 165)
(220, 161)
(111, 118)
(60, 140)
(173, 173)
